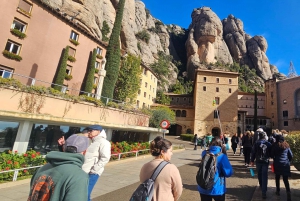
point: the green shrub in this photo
(18, 33)
(139, 46)
(75, 42)
(11, 55)
(96, 70)
(294, 142)
(187, 137)
(99, 56)
(61, 70)
(113, 104)
(143, 35)
(105, 30)
(68, 77)
(12, 160)
(71, 59)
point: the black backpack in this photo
(207, 170)
(262, 154)
(144, 192)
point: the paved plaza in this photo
(120, 179)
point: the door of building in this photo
(215, 131)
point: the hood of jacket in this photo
(57, 158)
(101, 135)
(215, 149)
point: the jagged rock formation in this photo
(205, 43)
(208, 40)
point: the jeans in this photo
(285, 181)
(210, 197)
(262, 173)
(93, 178)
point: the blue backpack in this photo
(144, 192)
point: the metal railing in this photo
(64, 89)
(16, 171)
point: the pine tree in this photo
(61, 70)
(105, 30)
(89, 81)
(113, 55)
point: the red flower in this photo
(25, 155)
(25, 171)
(16, 163)
(32, 155)
(7, 168)
(9, 162)
(38, 153)
(16, 151)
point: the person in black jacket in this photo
(261, 154)
(234, 142)
(282, 155)
(195, 141)
(247, 146)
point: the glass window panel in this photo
(15, 49)
(8, 133)
(25, 6)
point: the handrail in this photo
(16, 171)
(63, 88)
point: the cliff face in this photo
(208, 38)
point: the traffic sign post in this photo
(164, 124)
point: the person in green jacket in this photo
(62, 178)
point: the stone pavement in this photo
(120, 178)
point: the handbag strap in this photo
(158, 169)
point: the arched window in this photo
(189, 131)
(178, 113)
(183, 113)
(297, 103)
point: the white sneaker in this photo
(234, 154)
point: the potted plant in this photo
(11, 55)
(294, 142)
(96, 70)
(68, 77)
(74, 42)
(18, 33)
(71, 59)
(99, 56)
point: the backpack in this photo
(207, 170)
(262, 154)
(144, 191)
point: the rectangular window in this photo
(19, 25)
(25, 6)
(217, 89)
(272, 95)
(69, 70)
(230, 90)
(74, 36)
(153, 90)
(230, 81)
(13, 47)
(204, 88)
(97, 65)
(5, 72)
(145, 94)
(144, 105)
(150, 88)
(138, 103)
(72, 52)
(285, 123)
(99, 51)
(216, 114)
(239, 117)
(285, 113)
(217, 80)
(145, 71)
(217, 99)
(146, 84)
(151, 77)
(204, 79)
(149, 97)
(177, 100)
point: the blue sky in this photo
(277, 20)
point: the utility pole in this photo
(255, 111)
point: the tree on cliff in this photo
(113, 55)
(61, 70)
(128, 82)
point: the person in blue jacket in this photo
(224, 169)
(282, 155)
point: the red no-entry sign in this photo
(164, 124)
